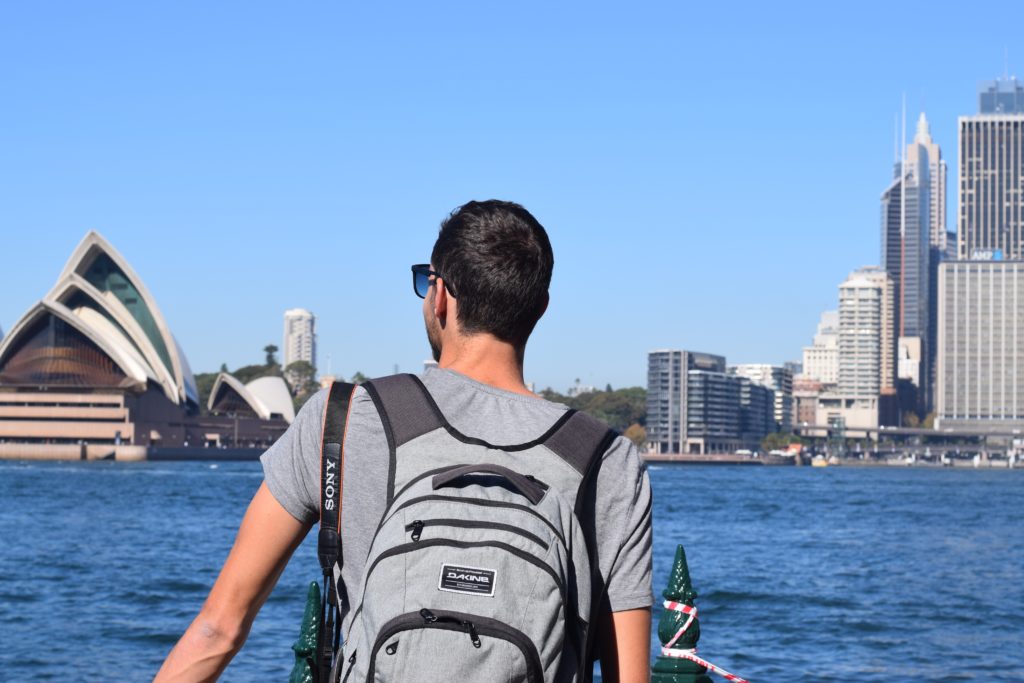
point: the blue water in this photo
(804, 574)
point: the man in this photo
(484, 291)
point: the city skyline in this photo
(232, 167)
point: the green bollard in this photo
(672, 669)
(305, 646)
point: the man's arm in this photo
(625, 642)
(266, 540)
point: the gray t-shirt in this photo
(292, 470)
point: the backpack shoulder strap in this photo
(582, 442)
(332, 463)
(406, 411)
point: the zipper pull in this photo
(352, 659)
(417, 529)
(428, 616)
(471, 628)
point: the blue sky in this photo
(708, 172)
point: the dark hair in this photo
(497, 260)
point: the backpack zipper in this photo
(417, 526)
(471, 624)
(351, 665)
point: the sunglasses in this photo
(421, 274)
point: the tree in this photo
(359, 378)
(223, 367)
(779, 441)
(270, 350)
(300, 374)
(910, 419)
(636, 434)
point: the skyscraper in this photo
(867, 349)
(866, 353)
(914, 240)
(981, 346)
(299, 337)
(991, 207)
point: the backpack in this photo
(483, 565)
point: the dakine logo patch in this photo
(472, 580)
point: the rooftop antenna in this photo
(895, 138)
(328, 364)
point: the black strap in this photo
(582, 442)
(329, 539)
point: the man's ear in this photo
(440, 299)
(544, 308)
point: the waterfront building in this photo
(299, 337)
(981, 346)
(95, 361)
(795, 367)
(757, 412)
(266, 398)
(805, 400)
(665, 394)
(713, 412)
(990, 217)
(780, 380)
(695, 406)
(821, 358)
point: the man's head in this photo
(495, 260)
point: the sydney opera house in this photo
(94, 361)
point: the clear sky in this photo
(708, 172)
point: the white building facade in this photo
(981, 346)
(821, 358)
(780, 380)
(299, 337)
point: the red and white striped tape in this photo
(691, 654)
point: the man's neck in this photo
(487, 360)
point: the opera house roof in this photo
(264, 397)
(99, 327)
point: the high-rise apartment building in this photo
(867, 347)
(991, 208)
(821, 358)
(299, 337)
(665, 377)
(695, 406)
(780, 381)
(867, 351)
(981, 346)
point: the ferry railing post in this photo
(679, 590)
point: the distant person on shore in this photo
(484, 291)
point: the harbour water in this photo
(834, 574)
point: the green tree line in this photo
(625, 410)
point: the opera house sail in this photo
(94, 361)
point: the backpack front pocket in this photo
(443, 646)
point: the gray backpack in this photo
(483, 566)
